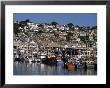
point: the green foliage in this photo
(68, 36)
(27, 20)
(70, 25)
(54, 23)
(85, 39)
(94, 27)
(15, 27)
(24, 23)
(95, 38)
(20, 24)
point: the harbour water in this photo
(43, 69)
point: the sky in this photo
(81, 19)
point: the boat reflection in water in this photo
(43, 69)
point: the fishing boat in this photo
(22, 59)
(71, 67)
(50, 59)
(80, 65)
(34, 61)
(42, 56)
(59, 60)
(38, 60)
(90, 64)
(26, 59)
(30, 60)
(17, 58)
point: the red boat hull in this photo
(71, 67)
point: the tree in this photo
(68, 36)
(27, 20)
(88, 27)
(70, 25)
(15, 27)
(85, 39)
(95, 37)
(41, 25)
(54, 23)
(24, 23)
(94, 27)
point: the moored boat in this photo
(33, 61)
(90, 64)
(50, 60)
(42, 56)
(17, 58)
(71, 67)
(22, 59)
(26, 61)
(59, 60)
(38, 60)
(80, 66)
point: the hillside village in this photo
(33, 38)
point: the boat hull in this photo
(80, 66)
(71, 67)
(49, 61)
(60, 63)
(90, 66)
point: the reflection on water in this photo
(42, 69)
